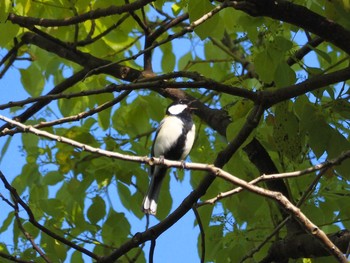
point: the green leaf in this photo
(288, 139)
(124, 195)
(184, 61)
(97, 210)
(53, 207)
(77, 257)
(5, 147)
(212, 26)
(168, 58)
(132, 120)
(265, 66)
(53, 248)
(33, 80)
(52, 178)
(234, 128)
(284, 75)
(116, 229)
(7, 222)
(283, 44)
(104, 117)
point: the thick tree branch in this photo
(94, 64)
(94, 14)
(303, 246)
(300, 16)
(314, 83)
(12, 258)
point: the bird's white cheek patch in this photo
(177, 109)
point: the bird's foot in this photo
(161, 159)
(183, 164)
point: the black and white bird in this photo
(174, 140)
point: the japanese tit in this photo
(174, 140)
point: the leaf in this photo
(53, 207)
(124, 195)
(211, 27)
(283, 44)
(33, 80)
(77, 257)
(168, 58)
(184, 61)
(6, 223)
(97, 210)
(265, 66)
(5, 147)
(132, 120)
(287, 136)
(104, 117)
(52, 178)
(284, 75)
(116, 229)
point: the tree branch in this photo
(94, 14)
(300, 16)
(314, 83)
(303, 246)
(12, 258)
(93, 64)
(269, 177)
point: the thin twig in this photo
(151, 250)
(29, 237)
(202, 232)
(86, 114)
(322, 166)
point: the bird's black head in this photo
(179, 107)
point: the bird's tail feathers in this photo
(149, 204)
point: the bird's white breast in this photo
(169, 131)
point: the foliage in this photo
(87, 67)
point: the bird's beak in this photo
(192, 109)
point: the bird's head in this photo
(178, 107)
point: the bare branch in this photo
(202, 232)
(28, 236)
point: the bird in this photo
(173, 141)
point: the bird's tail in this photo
(149, 204)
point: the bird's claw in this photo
(183, 164)
(161, 159)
